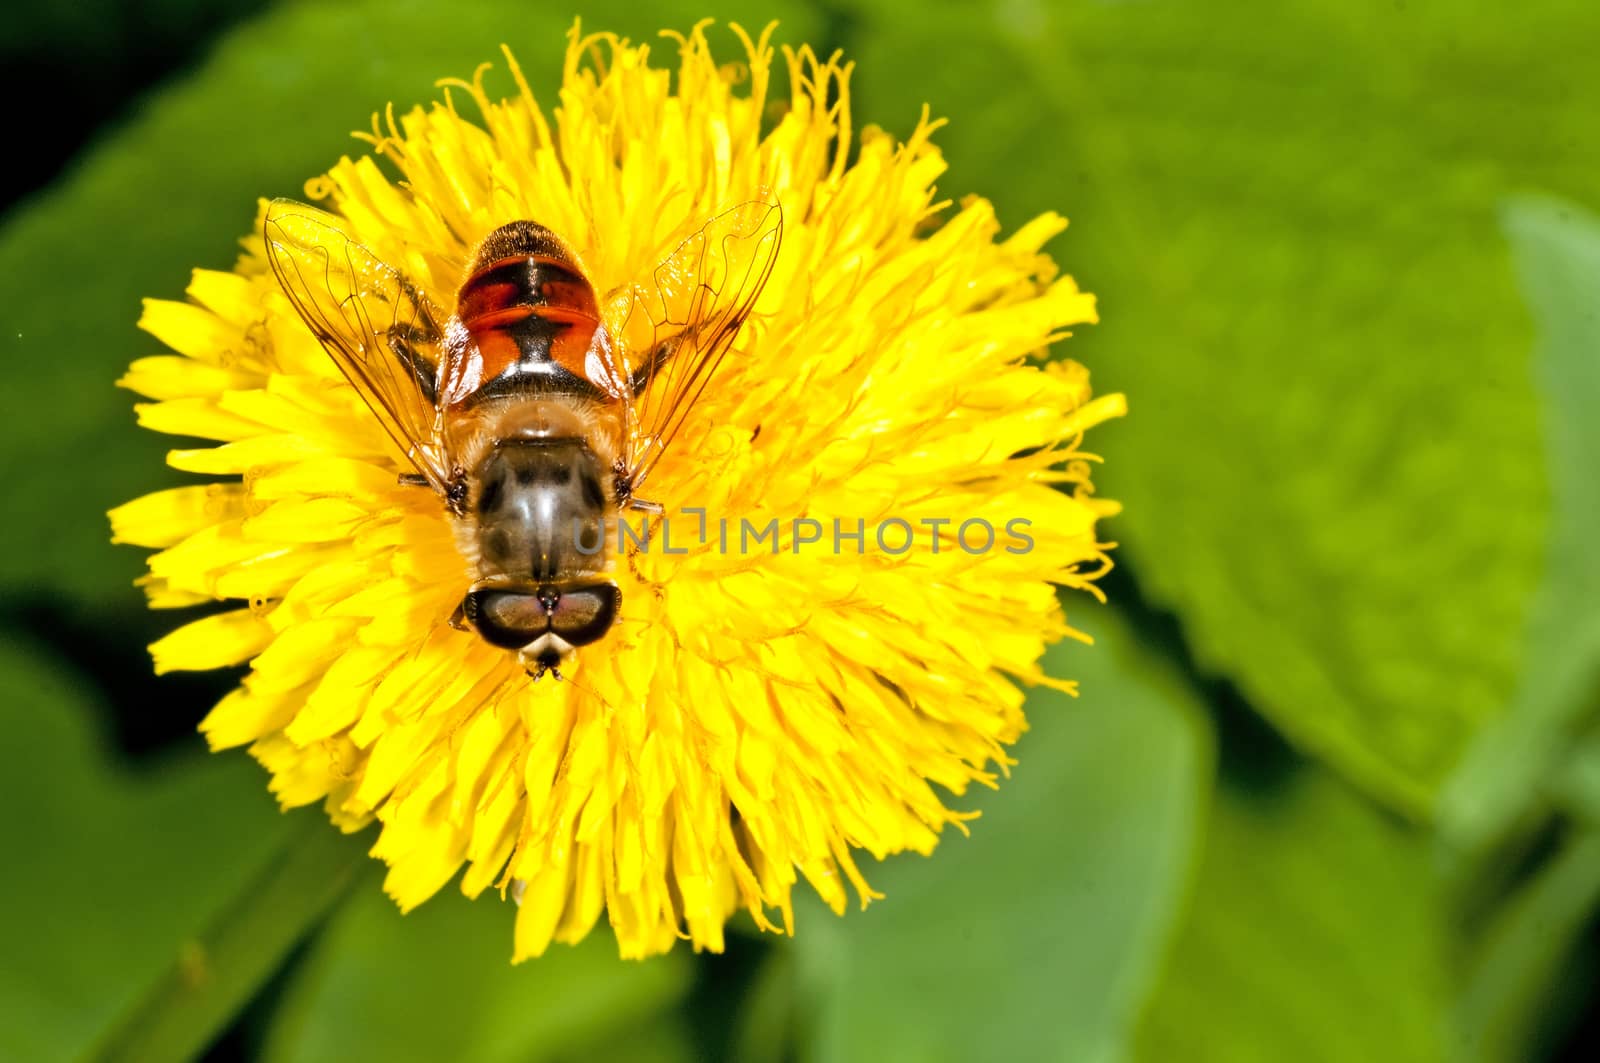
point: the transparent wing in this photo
(377, 326)
(695, 304)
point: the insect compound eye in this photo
(508, 619)
(583, 614)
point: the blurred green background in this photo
(1332, 790)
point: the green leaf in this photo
(667, 1040)
(766, 1030)
(176, 187)
(1539, 755)
(438, 984)
(217, 973)
(1316, 932)
(1557, 248)
(1289, 214)
(1577, 790)
(1515, 972)
(1037, 937)
(113, 875)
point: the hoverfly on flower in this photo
(746, 723)
(518, 408)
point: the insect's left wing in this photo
(696, 303)
(377, 326)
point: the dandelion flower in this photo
(755, 717)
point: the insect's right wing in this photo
(378, 327)
(693, 308)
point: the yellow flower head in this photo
(753, 716)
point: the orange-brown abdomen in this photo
(530, 312)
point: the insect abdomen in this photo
(528, 307)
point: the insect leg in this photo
(405, 343)
(408, 339)
(641, 377)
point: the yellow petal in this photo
(213, 642)
(164, 518)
